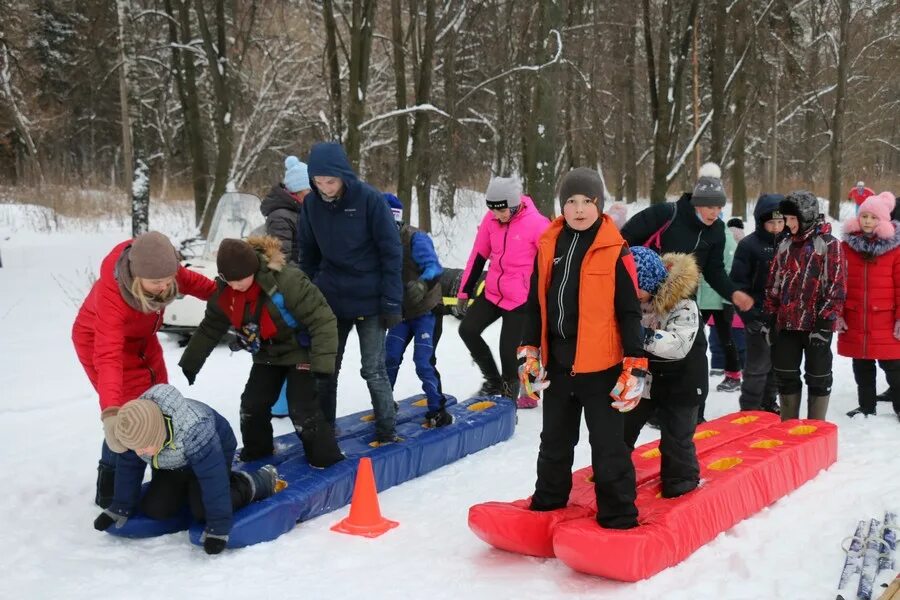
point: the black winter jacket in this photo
(688, 235)
(753, 257)
(281, 209)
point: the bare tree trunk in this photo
(695, 59)
(20, 121)
(837, 124)
(132, 130)
(361, 28)
(717, 82)
(810, 118)
(666, 91)
(631, 172)
(404, 181)
(217, 57)
(420, 160)
(539, 158)
(334, 71)
(186, 84)
(447, 183)
(741, 22)
(122, 15)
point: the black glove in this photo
(321, 376)
(108, 518)
(214, 544)
(821, 334)
(390, 320)
(767, 328)
(189, 376)
(462, 307)
(416, 290)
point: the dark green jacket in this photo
(288, 295)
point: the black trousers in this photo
(479, 317)
(758, 386)
(614, 482)
(790, 348)
(864, 374)
(679, 468)
(261, 393)
(723, 318)
(170, 491)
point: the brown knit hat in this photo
(141, 425)
(236, 260)
(152, 256)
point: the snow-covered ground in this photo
(51, 436)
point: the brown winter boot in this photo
(816, 407)
(790, 406)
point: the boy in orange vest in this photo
(583, 325)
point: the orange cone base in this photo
(370, 531)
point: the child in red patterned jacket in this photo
(806, 290)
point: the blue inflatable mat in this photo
(478, 423)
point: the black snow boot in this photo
(491, 387)
(867, 401)
(319, 444)
(262, 482)
(106, 485)
(437, 418)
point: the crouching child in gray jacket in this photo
(189, 447)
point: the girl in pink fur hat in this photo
(870, 327)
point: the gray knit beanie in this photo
(503, 192)
(709, 190)
(582, 181)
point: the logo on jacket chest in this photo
(556, 260)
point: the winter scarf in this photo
(236, 305)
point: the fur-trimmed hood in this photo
(681, 283)
(873, 245)
(269, 250)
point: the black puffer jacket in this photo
(687, 234)
(281, 209)
(753, 257)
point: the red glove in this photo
(532, 376)
(628, 389)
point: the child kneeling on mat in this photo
(582, 323)
(676, 347)
(189, 447)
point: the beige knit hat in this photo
(141, 425)
(152, 256)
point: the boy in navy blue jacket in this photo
(422, 294)
(350, 248)
(749, 272)
(189, 447)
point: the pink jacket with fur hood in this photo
(510, 248)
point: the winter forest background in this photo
(429, 96)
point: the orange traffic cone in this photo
(365, 517)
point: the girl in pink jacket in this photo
(507, 237)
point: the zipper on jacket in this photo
(562, 284)
(500, 262)
(865, 308)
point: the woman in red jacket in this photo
(870, 327)
(115, 331)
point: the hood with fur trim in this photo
(681, 283)
(269, 249)
(873, 245)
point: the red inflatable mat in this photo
(739, 479)
(511, 526)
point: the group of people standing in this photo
(608, 317)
